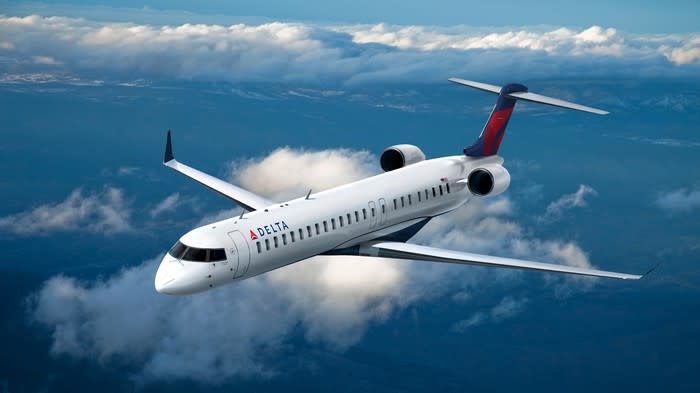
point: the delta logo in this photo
(268, 230)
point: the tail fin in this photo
(490, 138)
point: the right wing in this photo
(416, 252)
(241, 197)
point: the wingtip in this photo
(168, 150)
(651, 270)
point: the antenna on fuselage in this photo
(309, 194)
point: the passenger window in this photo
(274, 239)
(267, 244)
(409, 199)
(301, 233)
(383, 209)
(373, 212)
(291, 234)
(349, 221)
(284, 239)
(308, 230)
(333, 224)
(318, 232)
(259, 248)
(426, 194)
(325, 226)
(419, 196)
(434, 194)
(340, 221)
(440, 189)
(447, 185)
(395, 206)
(357, 216)
(364, 213)
(402, 203)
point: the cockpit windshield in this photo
(181, 251)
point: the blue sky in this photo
(297, 96)
(645, 16)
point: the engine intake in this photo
(399, 156)
(488, 180)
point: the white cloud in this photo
(688, 52)
(506, 309)
(566, 202)
(171, 203)
(106, 213)
(313, 53)
(238, 330)
(679, 201)
(287, 173)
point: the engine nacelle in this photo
(490, 179)
(399, 156)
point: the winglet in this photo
(168, 150)
(651, 270)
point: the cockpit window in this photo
(177, 250)
(217, 254)
(193, 254)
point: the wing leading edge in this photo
(244, 198)
(416, 252)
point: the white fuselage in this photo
(338, 218)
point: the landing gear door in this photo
(242, 251)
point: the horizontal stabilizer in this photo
(527, 96)
(416, 252)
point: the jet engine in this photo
(491, 179)
(399, 156)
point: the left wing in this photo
(416, 252)
(244, 198)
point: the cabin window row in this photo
(424, 195)
(310, 230)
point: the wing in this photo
(416, 252)
(241, 197)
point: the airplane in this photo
(372, 217)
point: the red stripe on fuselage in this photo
(492, 136)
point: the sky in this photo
(280, 97)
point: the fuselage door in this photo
(382, 211)
(372, 214)
(242, 251)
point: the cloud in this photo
(218, 334)
(687, 53)
(506, 309)
(287, 173)
(341, 54)
(679, 201)
(106, 213)
(566, 202)
(242, 329)
(171, 203)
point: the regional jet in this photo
(372, 217)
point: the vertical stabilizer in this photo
(490, 138)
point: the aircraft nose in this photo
(167, 274)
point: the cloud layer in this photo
(313, 53)
(105, 212)
(679, 201)
(566, 202)
(241, 329)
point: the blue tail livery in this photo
(491, 136)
